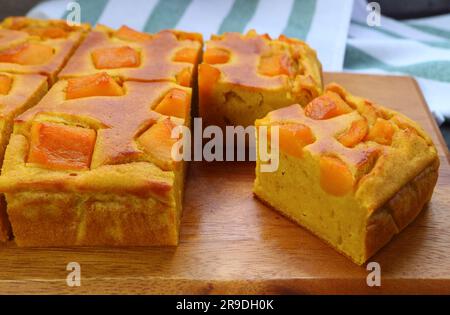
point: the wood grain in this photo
(231, 243)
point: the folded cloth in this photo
(322, 23)
(418, 47)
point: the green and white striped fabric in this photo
(420, 48)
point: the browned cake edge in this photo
(401, 209)
(40, 219)
(5, 225)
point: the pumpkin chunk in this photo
(381, 132)
(275, 65)
(335, 177)
(216, 55)
(197, 37)
(27, 54)
(184, 78)
(175, 103)
(207, 77)
(293, 137)
(5, 84)
(115, 57)
(327, 106)
(61, 147)
(355, 134)
(157, 142)
(127, 33)
(186, 55)
(100, 84)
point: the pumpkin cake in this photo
(91, 164)
(131, 55)
(33, 46)
(17, 93)
(243, 77)
(350, 171)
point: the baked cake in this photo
(131, 55)
(17, 93)
(32, 46)
(243, 77)
(91, 164)
(350, 171)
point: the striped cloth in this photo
(336, 29)
(419, 47)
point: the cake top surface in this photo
(121, 116)
(257, 61)
(131, 55)
(92, 132)
(36, 46)
(16, 90)
(368, 150)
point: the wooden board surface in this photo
(231, 243)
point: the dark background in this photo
(401, 9)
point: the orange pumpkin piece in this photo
(52, 32)
(186, 55)
(184, 78)
(335, 177)
(216, 55)
(355, 134)
(327, 106)
(275, 65)
(61, 147)
(381, 132)
(157, 142)
(100, 84)
(207, 77)
(115, 57)
(293, 137)
(127, 33)
(197, 37)
(27, 54)
(5, 84)
(175, 103)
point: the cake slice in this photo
(243, 77)
(350, 171)
(33, 46)
(17, 94)
(128, 54)
(91, 164)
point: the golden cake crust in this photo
(118, 122)
(401, 209)
(15, 31)
(246, 51)
(156, 56)
(243, 77)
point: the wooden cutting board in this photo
(231, 243)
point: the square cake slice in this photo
(91, 164)
(350, 171)
(33, 46)
(132, 55)
(243, 77)
(17, 94)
